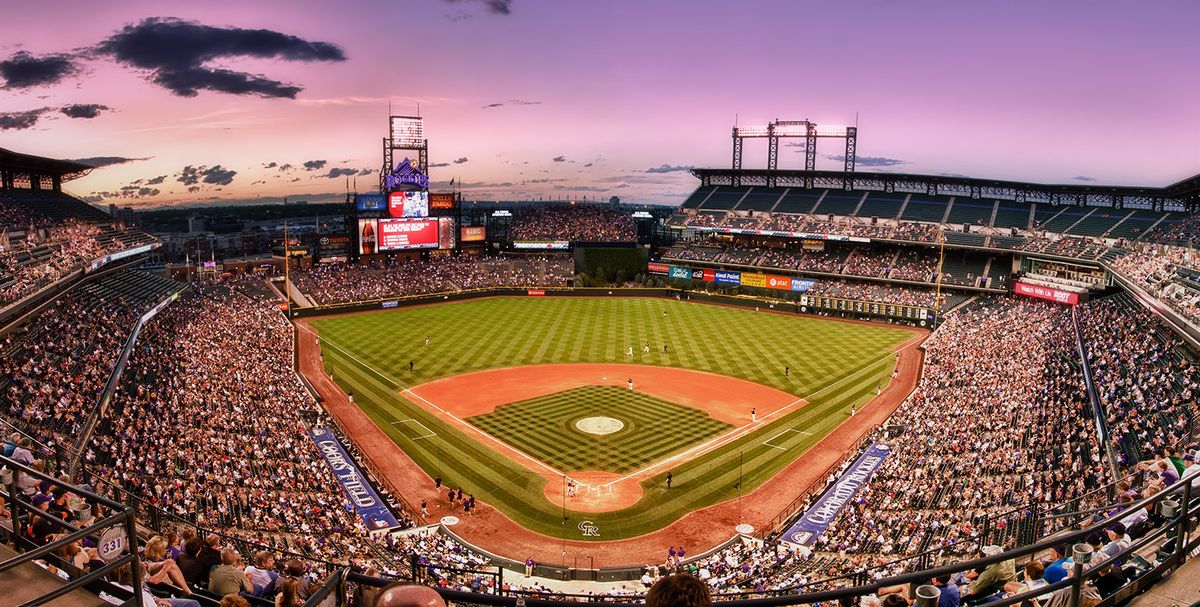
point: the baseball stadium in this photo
(827, 385)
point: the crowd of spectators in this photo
(1172, 274)
(1000, 419)
(42, 259)
(869, 263)
(582, 223)
(1145, 381)
(811, 224)
(827, 261)
(915, 265)
(900, 264)
(882, 293)
(1185, 232)
(54, 368)
(339, 283)
(208, 425)
(18, 217)
(1067, 246)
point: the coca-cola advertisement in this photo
(368, 237)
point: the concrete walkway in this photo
(28, 581)
(1179, 590)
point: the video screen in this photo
(369, 203)
(408, 204)
(406, 234)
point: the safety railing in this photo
(1168, 546)
(111, 526)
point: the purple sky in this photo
(1024, 90)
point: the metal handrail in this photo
(124, 515)
(335, 583)
(1187, 512)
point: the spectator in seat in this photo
(950, 596)
(1117, 540)
(162, 568)
(288, 595)
(195, 572)
(409, 595)
(261, 574)
(229, 577)
(295, 569)
(210, 554)
(679, 590)
(993, 577)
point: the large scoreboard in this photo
(406, 221)
(388, 234)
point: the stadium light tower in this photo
(810, 131)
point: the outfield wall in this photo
(813, 305)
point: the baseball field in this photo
(512, 398)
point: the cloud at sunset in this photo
(178, 54)
(260, 89)
(24, 70)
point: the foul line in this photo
(418, 422)
(703, 448)
(784, 431)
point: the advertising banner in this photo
(802, 285)
(818, 517)
(661, 269)
(370, 203)
(368, 236)
(779, 282)
(541, 244)
(441, 200)
(1047, 293)
(370, 508)
(408, 204)
(700, 274)
(107, 259)
(681, 272)
(401, 234)
(778, 234)
(753, 280)
(446, 233)
(536, 292)
(474, 234)
(726, 277)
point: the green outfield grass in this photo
(833, 365)
(545, 428)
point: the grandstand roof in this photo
(65, 169)
(1184, 194)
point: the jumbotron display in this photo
(406, 233)
(408, 204)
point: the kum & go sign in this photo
(1047, 293)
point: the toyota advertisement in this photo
(1047, 293)
(405, 234)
